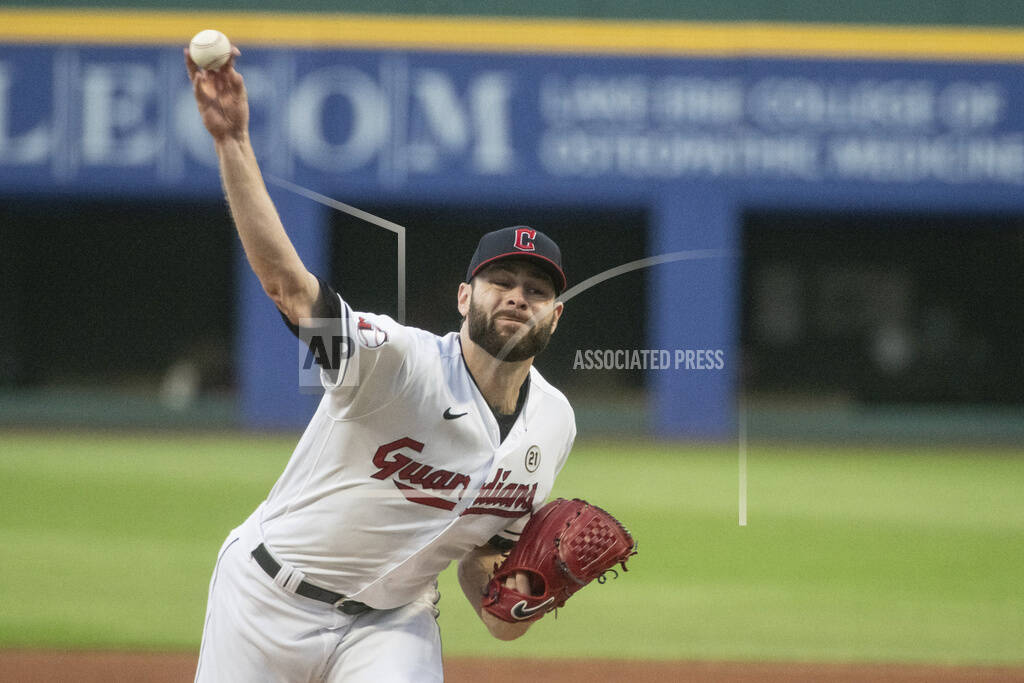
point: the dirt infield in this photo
(113, 667)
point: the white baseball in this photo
(210, 49)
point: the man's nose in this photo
(517, 297)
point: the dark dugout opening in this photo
(884, 307)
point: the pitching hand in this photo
(221, 97)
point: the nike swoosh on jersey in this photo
(521, 611)
(449, 415)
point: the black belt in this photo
(265, 560)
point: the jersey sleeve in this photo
(365, 359)
(569, 442)
(379, 367)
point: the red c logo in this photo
(525, 238)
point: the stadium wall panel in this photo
(695, 137)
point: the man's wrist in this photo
(235, 140)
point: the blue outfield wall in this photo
(695, 140)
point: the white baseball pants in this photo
(256, 631)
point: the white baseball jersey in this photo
(405, 471)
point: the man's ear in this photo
(556, 314)
(465, 295)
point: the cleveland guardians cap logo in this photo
(520, 241)
(525, 238)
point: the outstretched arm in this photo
(475, 571)
(223, 104)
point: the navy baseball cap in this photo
(519, 242)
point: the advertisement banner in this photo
(80, 117)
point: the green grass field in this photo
(854, 554)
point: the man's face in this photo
(510, 299)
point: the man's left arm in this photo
(475, 571)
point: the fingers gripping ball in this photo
(210, 49)
(565, 545)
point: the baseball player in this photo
(423, 450)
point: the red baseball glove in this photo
(565, 545)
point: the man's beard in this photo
(484, 333)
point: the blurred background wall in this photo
(864, 180)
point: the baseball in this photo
(210, 49)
